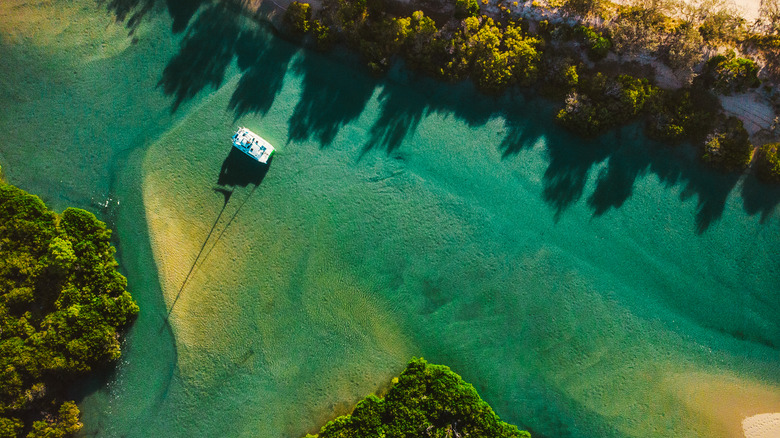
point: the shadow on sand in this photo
(238, 170)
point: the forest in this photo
(63, 305)
(426, 400)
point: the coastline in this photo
(758, 109)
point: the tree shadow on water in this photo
(264, 59)
(205, 53)
(330, 99)
(401, 114)
(131, 11)
(681, 166)
(627, 155)
(522, 132)
(760, 198)
(181, 11)
(569, 168)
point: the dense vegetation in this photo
(768, 163)
(425, 401)
(567, 61)
(62, 303)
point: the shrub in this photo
(728, 147)
(597, 45)
(297, 17)
(466, 8)
(601, 103)
(728, 73)
(684, 114)
(323, 37)
(768, 163)
(62, 304)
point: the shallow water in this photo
(605, 288)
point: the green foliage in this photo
(422, 47)
(297, 17)
(323, 38)
(597, 44)
(427, 400)
(494, 55)
(466, 8)
(685, 114)
(721, 27)
(10, 427)
(728, 147)
(729, 73)
(64, 424)
(600, 103)
(768, 47)
(61, 304)
(768, 163)
(381, 41)
(683, 48)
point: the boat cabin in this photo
(253, 145)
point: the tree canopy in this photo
(62, 302)
(425, 401)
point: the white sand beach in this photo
(762, 426)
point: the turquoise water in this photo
(603, 288)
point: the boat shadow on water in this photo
(240, 170)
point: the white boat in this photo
(253, 145)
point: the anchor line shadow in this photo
(237, 170)
(227, 195)
(222, 233)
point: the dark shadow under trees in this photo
(206, 52)
(264, 60)
(330, 99)
(335, 92)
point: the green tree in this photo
(426, 400)
(297, 17)
(768, 163)
(466, 8)
(728, 147)
(729, 73)
(62, 304)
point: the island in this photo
(425, 401)
(63, 305)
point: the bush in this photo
(728, 147)
(684, 114)
(600, 103)
(323, 37)
(768, 163)
(597, 45)
(466, 8)
(728, 73)
(297, 17)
